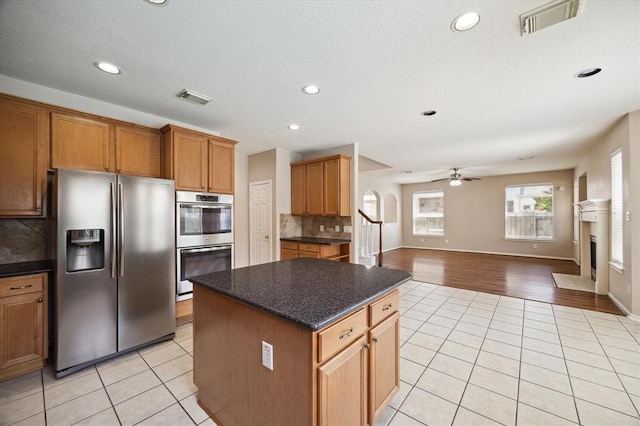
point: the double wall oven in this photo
(204, 237)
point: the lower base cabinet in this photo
(343, 374)
(23, 324)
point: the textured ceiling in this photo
(379, 64)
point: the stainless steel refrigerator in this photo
(113, 239)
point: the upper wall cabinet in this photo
(24, 131)
(321, 186)
(81, 143)
(88, 144)
(138, 151)
(197, 161)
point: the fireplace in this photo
(594, 256)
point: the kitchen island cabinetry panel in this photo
(326, 352)
(24, 157)
(23, 324)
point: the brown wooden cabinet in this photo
(86, 143)
(337, 252)
(24, 134)
(81, 143)
(23, 324)
(384, 377)
(137, 151)
(321, 186)
(198, 162)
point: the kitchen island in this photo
(333, 332)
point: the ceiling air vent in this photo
(547, 15)
(196, 98)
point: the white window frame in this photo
(415, 213)
(617, 207)
(506, 214)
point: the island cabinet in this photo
(197, 161)
(342, 373)
(321, 186)
(23, 324)
(89, 143)
(24, 157)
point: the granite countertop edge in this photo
(25, 268)
(317, 314)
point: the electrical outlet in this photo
(337, 228)
(629, 288)
(446, 241)
(267, 355)
(535, 246)
(627, 216)
(321, 228)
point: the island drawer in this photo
(14, 286)
(288, 245)
(309, 247)
(384, 307)
(341, 334)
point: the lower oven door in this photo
(194, 261)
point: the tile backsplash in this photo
(23, 240)
(309, 226)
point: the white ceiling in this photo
(379, 64)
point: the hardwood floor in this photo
(524, 277)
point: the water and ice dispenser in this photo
(85, 249)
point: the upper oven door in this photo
(208, 220)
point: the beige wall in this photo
(391, 232)
(474, 216)
(597, 166)
(634, 206)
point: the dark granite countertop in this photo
(25, 268)
(312, 293)
(315, 240)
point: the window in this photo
(616, 207)
(529, 212)
(428, 213)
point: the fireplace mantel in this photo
(594, 220)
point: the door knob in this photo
(266, 237)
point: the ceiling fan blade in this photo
(469, 179)
(440, 180)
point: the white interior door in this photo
(260, 234)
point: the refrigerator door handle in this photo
(113, 231)
(121, 248)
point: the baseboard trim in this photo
(491, 252)
(624, 309)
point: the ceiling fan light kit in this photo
(456, 178)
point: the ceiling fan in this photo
(456, 178)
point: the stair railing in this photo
(366, 246)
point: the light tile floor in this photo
(467, 358)
(574, 282)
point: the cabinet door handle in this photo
(346, 333)
(40, 300)
(375, 339)
(387, 307)
(367, 346)
(21, 287)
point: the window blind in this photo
(616, 207)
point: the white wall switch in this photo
(321, 228)
(267, 355)
(337, 228)
(347, 228)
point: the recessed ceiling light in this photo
(157, 2)
(428, 113)
(311, 90)
(293, 127)
(406, 172)
(107, 67)
(465, 22)
(588, 73)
